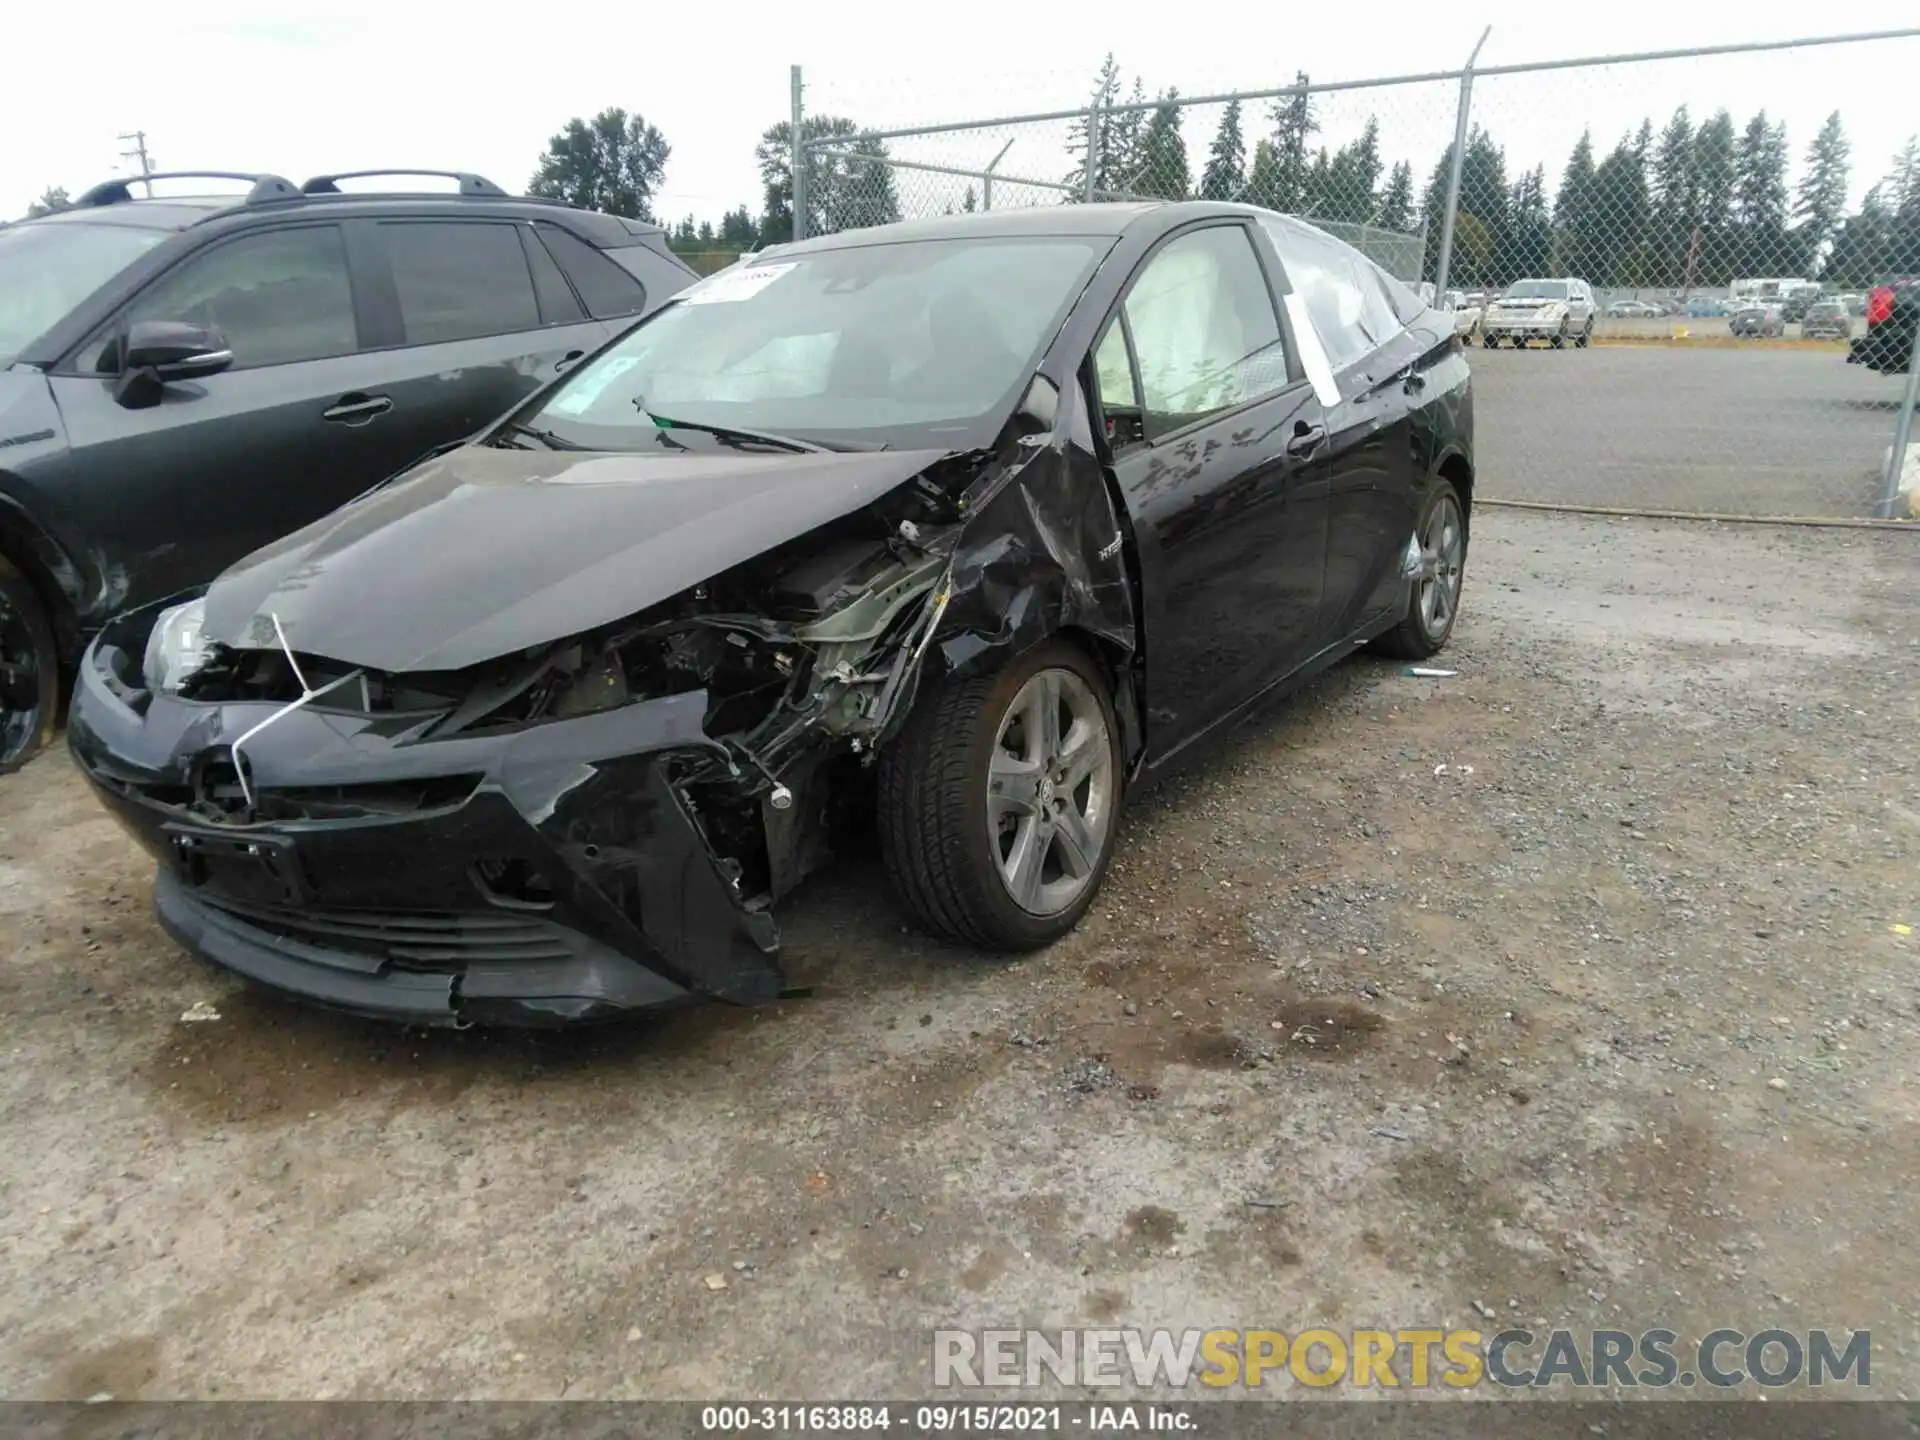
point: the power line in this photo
(138, 151)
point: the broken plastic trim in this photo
(307, 694)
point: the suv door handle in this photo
(567, 359)
(1305, 439)
(355, 408)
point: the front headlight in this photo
(176, 648)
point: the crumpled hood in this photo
(483, 552)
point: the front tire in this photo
(1585, 336)
(29, 671)
(1434, 601)
(999, 802)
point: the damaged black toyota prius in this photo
(954, 530)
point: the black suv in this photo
(183, 380)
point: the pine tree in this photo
(1123, 163)
(1225, 174)
(1163, 152)
(1396, 201)
(1617, 227)
(1573, 211)
(1263, 177)
(970, 204)
(1821, 202)
(1863, 243)
(1530, 246)
(1714, 166)
(1293, 123)
(1352, 176)
(1673, 191)
(1903, 240)
(1106, 93)
(1761, 246)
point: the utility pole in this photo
(138, 151)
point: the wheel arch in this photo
(48, 569)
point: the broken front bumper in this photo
(550, 875)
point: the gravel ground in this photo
(1566, 990)
(1726, 431)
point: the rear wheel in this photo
(999, 802)
(29, 671)
(1435, 598)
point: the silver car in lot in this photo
(1556, 311)
(1757, 322)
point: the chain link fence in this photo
(1660, 278)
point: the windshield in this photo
(1537, 290)
(912, 344)
(46, 270)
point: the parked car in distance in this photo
(1892, 310)
(954, 530)
(1556, 311)
(1756, 321)
(1856, 304)
(1795, 304)
(1633, 310)
(1465, 314)
(1705, 307)
(1827, 320)
(187, 378)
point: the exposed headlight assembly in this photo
(177, 647)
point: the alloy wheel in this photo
(1050, 792)
(1443, 555)
(20, 704)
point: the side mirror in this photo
(154, 352)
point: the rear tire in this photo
(29, 671)
(1433, 602)
(999, 802)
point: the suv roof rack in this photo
(120, 191)
(470, 184)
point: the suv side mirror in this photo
(154, 352)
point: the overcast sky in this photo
(298, 88)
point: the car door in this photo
(1370, 462)
(221, 465)
(474, 315)
(1217, 446)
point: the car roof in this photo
(1107, 218)
(113, 203)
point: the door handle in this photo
(1305, 439)
(1416, 383)
(357, 409)
(567, 359)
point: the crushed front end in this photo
(597, 826)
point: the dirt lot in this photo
(1652, 893)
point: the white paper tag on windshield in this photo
(736, 284)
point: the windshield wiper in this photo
(545, 437)
(730, 434)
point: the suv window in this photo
(460, 279)
(1204, 329)
(277, 296)
(609, 291)
(1341, 289)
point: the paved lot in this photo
(1498, 1039)
(1745, 432)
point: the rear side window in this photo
(276, 297)
(558, 305)
(609, 291)
(1341, 289)
(458, 280)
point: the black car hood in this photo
(483, 552)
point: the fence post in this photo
(986, 185)
(1902, 432)
(799, 161)
(1445, 262)
(1093, 147)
